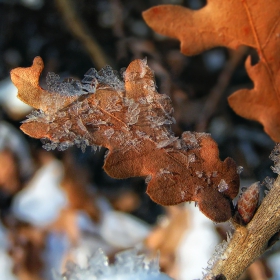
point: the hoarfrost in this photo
(214, 174)
(275, 157)
(109, 132)
(142, 100)
(50, 146)
(223, 186)
(239, 169)
(197, 189)
(106, 154)
(67, 125)
(69, 87)
(190, 140)
(177, 144)
(141, 134)
(157, 121)
(106, 76)
(219, 254)
(61, 114)
(268, 182)
(150, 85)
(133, 119)
(81, 125)
(53, 125)
(163, 171)
(150, 98)
(89, 81)
(64, 145)
(94, 148)
(96, 122)
(112, 105)
(148, 179)
(81, 143)
(276, 168)
(131, 144)
(167, 142)
(266, 192)
(34, 115)
(191, 158)
(143, 68)
(133, 113)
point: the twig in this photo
(251, 241)
(81, 32)
(216, 93)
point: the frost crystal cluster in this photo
(128, 266)
(219, 254)
(275, 157)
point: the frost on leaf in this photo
(133, 121)
(233, 24)
(223, 186)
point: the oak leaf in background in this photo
(254, 23)
(133, 121)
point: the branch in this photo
(251, 241)
(214, 97)
(81, 32)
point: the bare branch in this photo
(81, 32)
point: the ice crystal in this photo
(128, 266)
(133, 113)
(199, 174)
(191, 158)
(275, 157)
(239, 169)
(219, 254)
(106, 76)
(164, 143)
(68, 87)
(109, 132)
(268, 182)
(214, 174)
(223, 186)
(190, 140)
(148, 179)
(35, 114)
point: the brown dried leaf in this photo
(134, 122)
(254, 23)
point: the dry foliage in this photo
(254, 23)
(134, 122)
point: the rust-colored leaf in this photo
(133, 122)
(255, 23)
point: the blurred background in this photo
(59, 206)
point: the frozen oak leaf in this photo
(133, 121)
(254, 23)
